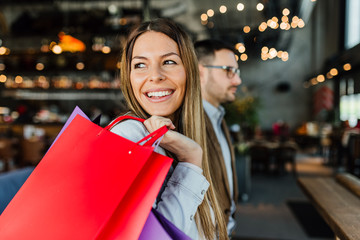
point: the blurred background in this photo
(296, 111)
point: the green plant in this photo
(243, 111)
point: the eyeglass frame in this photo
(230, 71)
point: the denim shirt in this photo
(183, 189)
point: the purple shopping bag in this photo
(158, 227)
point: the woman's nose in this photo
(156, 74)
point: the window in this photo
(352, 23)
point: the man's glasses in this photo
(230, 71)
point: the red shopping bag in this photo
(91, 184)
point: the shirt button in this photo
(202, 192)
(191, 217)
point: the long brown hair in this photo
(191, 115)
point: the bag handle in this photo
(151, 138)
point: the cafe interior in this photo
(294, 122)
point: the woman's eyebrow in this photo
(138, 57)
(162, 56)
(170, 53)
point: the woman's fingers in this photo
(183, 147)
(155, 122)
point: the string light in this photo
(223, 9)
(259, 7)
(240, 7)
(3, 78)
(334, 72)
(286, 12)
(246, 29)
(204, 17)
(347, 66)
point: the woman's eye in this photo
(169, 62)
(139, 65)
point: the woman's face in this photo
(157, 74)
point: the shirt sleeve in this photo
(184, 188)
(184, 192)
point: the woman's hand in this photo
(185, 149)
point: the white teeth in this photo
(159, 94)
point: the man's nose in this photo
(236, 80)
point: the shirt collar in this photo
(214, 112)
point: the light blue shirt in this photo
(216, 116)
(183, 189)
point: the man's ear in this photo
(202, 73)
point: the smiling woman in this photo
(160, 82)
(157, 74)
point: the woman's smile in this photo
(157, 76)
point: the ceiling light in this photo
(223, 9)
(210, 25)
(2, 50)
(264, 49)
(2, 66)
(320, 78)
(246, 29)
(347, 66)
(243, 57)
(80, 66)
(106, 49)
(314, 81)
(260, 7)
(40, 66)
(204, 17)
(3, 78)
(286, 12)
(18, 79)
(301, 23)
(240, 7)
(334, 72)
(210, 12)
(56, 49)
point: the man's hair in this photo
(205, 49)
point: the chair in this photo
(353, 163)
(32, 151)
(260, 158)
(6, 153)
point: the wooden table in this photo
(338, 206)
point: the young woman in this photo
(160, 82)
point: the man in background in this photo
(220, 77)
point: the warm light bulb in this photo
(80, 66)
(40, 66)
(223, 9)
(204, 17)
(334, 72)
(2, 78)
(347, 66)
(243, 57)
(260, 7)
(246, 29)
(320, 78)
(240, 7)
(286, 12)
(56, 49)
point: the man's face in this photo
(218, 86)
